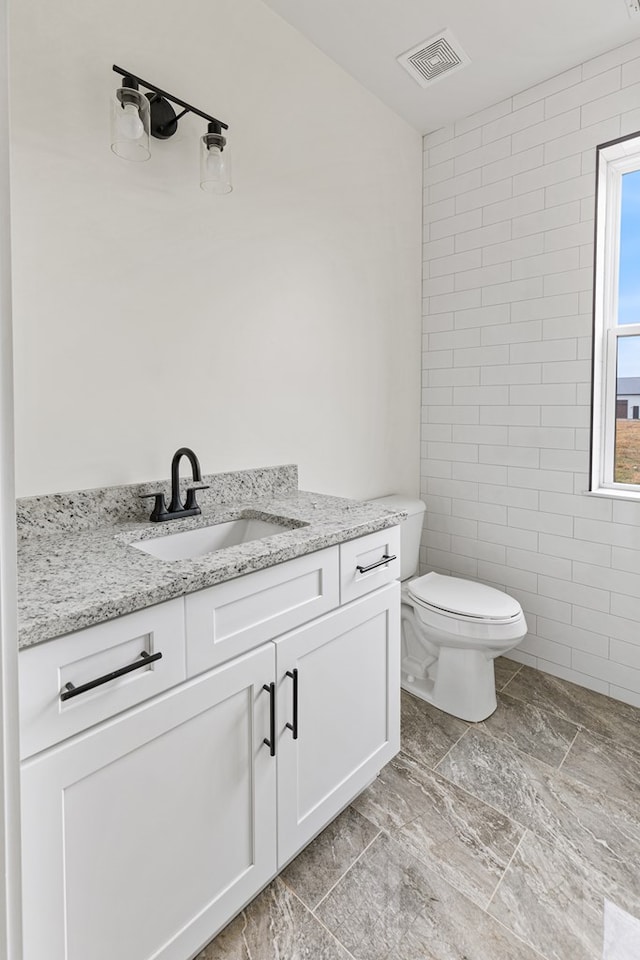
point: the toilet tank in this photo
(410, 530)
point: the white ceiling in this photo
(512, 44)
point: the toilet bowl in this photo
(452, 629)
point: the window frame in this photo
(613, 160)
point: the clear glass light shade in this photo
(215, 166)
(130, 125)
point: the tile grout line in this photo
(504, 872)
(497, 919)
(320, 923)
(437, 764)
(342, 876)
(465, 896)
(485, 909)
(504, 687)
(526, 943)
(509, 744)
(569, 749)
(475, 796)
(551, 707)
(548, 707)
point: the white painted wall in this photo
(278, 324)
(509, 209)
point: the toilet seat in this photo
(463, 600)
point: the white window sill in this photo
(613, 494)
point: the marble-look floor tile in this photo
(603, 837)
(320, 865)
(427, 733)
(605, 766)
(500, 776)
(548, 903)
(275, 926)
(459, 837)
(391, 905)
(540, 733)
(600, 833)
(505, 670)
(601, 715)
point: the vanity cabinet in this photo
(146, 832)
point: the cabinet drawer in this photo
(235, 616)
(82, 657)
(368, 552)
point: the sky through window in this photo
(629, 283)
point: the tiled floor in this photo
(514, 839)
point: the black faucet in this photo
(177, 508)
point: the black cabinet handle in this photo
(70, 690)
(271, 742)
(386, 558)
(294, 726)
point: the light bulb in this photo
(215, 166)
(131, 126)
(214, 162)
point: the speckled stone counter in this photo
(76, 566)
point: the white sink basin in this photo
(204, 540)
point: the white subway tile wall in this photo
(508, 249)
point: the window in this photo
(615, 444)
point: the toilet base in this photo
(461, 683)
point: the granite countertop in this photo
(73, 575)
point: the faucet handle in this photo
(191, 503)
(159, 508)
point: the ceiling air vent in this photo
(434, 58)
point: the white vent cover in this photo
(434, 58)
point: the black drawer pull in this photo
(271, 742)
(386, 558)
(294, 726)
(70, 690)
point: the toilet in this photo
(452, 629)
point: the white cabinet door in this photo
(347, 669)
(143, 838)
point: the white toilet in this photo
(452, 629)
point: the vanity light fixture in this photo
(135, 116)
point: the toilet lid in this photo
(463, 598)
